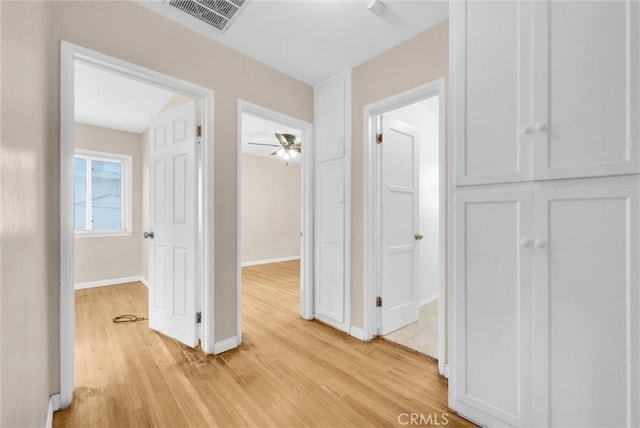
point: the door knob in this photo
(526, 242)
(526, 130)
(540, 243)
(148, 235)
(418, 236)
(540, 127)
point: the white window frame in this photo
(127, 193)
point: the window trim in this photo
(127, 193)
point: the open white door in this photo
(173, 221)
(400, 221)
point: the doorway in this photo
(112, 209)
(280, 146)
(405, 248)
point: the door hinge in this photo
(379, 138)
(198, 317)
(378, 302)
(199, 131)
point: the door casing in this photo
(372, 206)
(69, 55)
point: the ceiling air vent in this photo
(219, 14)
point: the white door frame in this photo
(306, 247)
(371, 220)
(69, 55)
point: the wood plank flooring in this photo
(288, 372)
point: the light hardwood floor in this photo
(287, 373)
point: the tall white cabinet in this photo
(545, 127)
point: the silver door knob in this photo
(148, 235)
(540, 243)
(418, 236)
(526, 130)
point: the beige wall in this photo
(29, 237)
(270, 208)
(31, 35)
(104, 258)
(420, 60)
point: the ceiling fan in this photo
(288, 147)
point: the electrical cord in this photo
(128, 318)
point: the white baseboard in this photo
(144, 281)
(105, 282)
(356, 332)
(446, 371)
(54, 405)
(267, 261)
(429, 300)
(225, 345)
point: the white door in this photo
(587, 88)
(493, 42)
(400, 223)
(587, 307)
(173, 221)
(492, 322)
(331, 202)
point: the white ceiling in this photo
(112, 101)
(258, 130)
(312, 40)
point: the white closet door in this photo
(332, 201)
(492, 87)
(587, 302)
(587, 88)
(492, 313)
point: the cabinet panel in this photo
(587, 82)
(587, 304)
(493, 77)
(493, 310)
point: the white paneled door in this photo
(587, 300)
(332, 184)
(587, 94)
(492, 83)
(494, 246)
(173, 221)
(400, 225)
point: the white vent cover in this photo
(219, 14)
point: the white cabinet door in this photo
(587, 322)
(587, 88)
(492, 313)
(332, 186)
(492, 86)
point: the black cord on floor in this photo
(128, 318)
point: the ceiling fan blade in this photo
(296, 149)
(276, 152)
(261, 144)
(281, 138)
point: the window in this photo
(102, 194)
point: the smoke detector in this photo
(218, 14)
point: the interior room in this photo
(528, 298)
(271, 210)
